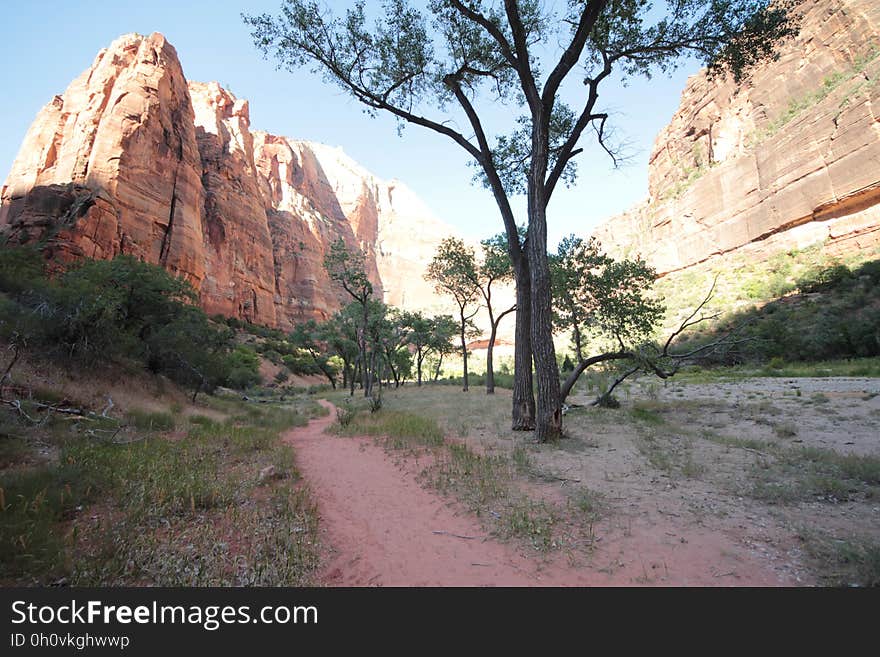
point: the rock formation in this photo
(789, 158)
(133, 159)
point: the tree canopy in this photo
(439, 65)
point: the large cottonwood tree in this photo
(431, 64)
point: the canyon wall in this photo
(789, 158)
(133, 159)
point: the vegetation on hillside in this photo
(832, 312)
(121, 311)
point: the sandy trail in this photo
(385, 529)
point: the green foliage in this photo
(163, 506)
(243, 364)
(348, 268)
(453, 270)
(400, 426)
(102, 311)
(601, 298)
(150, 421)
(835, 315)
(21, 269)
(829, 84)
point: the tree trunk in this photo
(523, 412)
(490, 372)
(419, 358)
(548, 419)
(346, 373)
(439, 365)
(464, 350)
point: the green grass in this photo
(150, 421)
(484, 484)
(852, 367)
(793, 475)
(590, 503)
(164, 508)
(643, 412)
(402, 428)
(843, 561)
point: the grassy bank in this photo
(205, 495)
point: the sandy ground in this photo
(384, 529)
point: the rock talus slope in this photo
(789, 158)
(133, 159)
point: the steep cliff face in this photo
(112, 166)
(787, 159)
(133, 159)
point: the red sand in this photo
(384, 529)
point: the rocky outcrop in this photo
(134, 159)
(789, 158)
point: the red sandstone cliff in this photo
(133, 159)
(790, 158)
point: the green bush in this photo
(244, 368)
(837, 315)
(104, 311)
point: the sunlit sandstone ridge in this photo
(134, 159)
(789, 158)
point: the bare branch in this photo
(524, 67)
(687, 322)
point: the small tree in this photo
(609, 305)
(454, 272)
(442, 340)
(340, 334)
(418, 336)
(496, 267)
(348, 269)
(308, 336)
(393, 336)
(429, 335)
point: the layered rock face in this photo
(133, 159)
(789, 158)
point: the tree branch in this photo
(490, 27)
(566, 151)
(524, 66)
(572, 54)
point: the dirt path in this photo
(385, 529)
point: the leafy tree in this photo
(339, 333)
(348, 269)
(496, 267)
(572, 271)
(419, 333)
(454, 272)
(416, 63)
(429, 335)
(392, 336)
(104, 311)
(602, 301)
(441, 342)
(310, 337)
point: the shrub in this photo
(101, 311)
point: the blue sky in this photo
(46, 44)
